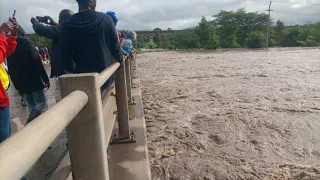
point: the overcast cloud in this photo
(176, 14)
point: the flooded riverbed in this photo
(233, 114)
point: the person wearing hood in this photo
(51, 30)
(7, 47)
(28, 75)
(90, 39)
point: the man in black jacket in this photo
(90, 39)
(28, 75)
(52, 31)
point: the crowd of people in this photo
(82, 42)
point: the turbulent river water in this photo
(232, 115)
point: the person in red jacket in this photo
(7, 47)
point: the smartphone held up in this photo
(14, 14)
(42, 19)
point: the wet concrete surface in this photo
(231, 115)
(50, 159)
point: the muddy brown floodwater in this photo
(233, 115)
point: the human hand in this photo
(47, 86)
(34, 20)
(122, 62)
(14, 30)
(6, 27)
(52, 21)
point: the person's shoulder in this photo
(105, 16)
(29, 42)
(26, 40)
(23, 40)
(72, 18)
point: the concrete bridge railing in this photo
(89, 118)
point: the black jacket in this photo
(90, 38)
(53, 33)
(25, 67)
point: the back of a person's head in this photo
(82, 1)
(123, 34)
(65, 14)
(87, 4)
(132, 35)
(113, 16)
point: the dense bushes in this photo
(235, 29)
(39, 41)
(255, 39)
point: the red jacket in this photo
(7, 47)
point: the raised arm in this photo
(3, 47)
(48, 31)
(7, 45)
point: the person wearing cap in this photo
(113, 17)
(114, 20)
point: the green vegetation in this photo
(39, 41)
(235, 29)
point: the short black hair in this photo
(66, 13)
(82, 1)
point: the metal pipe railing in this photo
(21, 150)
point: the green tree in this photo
(238, 25)
(309, 41)
(206, 35)
(279, 26)
(291, 36)
(157, 29)
(234, 29)
(185, 39)
(255, 39)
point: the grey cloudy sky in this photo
(176, 14)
